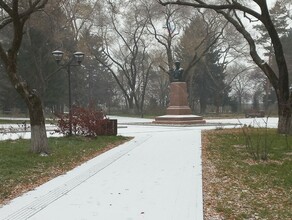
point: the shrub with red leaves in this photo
(87, 122)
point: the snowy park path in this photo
(155, 176)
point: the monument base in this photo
(179, 119)
(179, 111)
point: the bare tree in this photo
(80, 15)
(241, 84)
(160, 81)
(166, 24)
(15, 14)
(129, 61)
(256, 10)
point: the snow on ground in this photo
(157, 175)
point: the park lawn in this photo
(21, 170)
(238, 187)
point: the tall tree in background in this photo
(35, 59)
(45, 32)
(216, 73)
(241, 88)
(173, 19)
(287, 45)
(232, 11)
(10, 101)
(126, 50)
(15, 14)
(203, 71)
(279, 16)
(159, 85)
(99, 83)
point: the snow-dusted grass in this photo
(21, 170)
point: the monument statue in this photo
(178, 110)
(177, 73)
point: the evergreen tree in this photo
(98, 83)
(279, 16)
(39, 68)
(218, 88)
(206, 77)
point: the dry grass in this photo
(237, 187)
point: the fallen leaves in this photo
(12, 188)
(235, 193)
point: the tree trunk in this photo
(284, 124)
(130, 103)
(39, 141)
(203, 105)
(284, 121)
(218, 102)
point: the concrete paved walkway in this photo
(155, 176)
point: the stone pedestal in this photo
(179, 111)
(178, 99)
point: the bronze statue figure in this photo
(177, 73)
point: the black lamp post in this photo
(76, 60)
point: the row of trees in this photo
(130, 47)
(127, 54)
(136, 55)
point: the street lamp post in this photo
(76, 60)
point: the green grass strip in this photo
(21, 170)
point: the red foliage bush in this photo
(86, 122)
